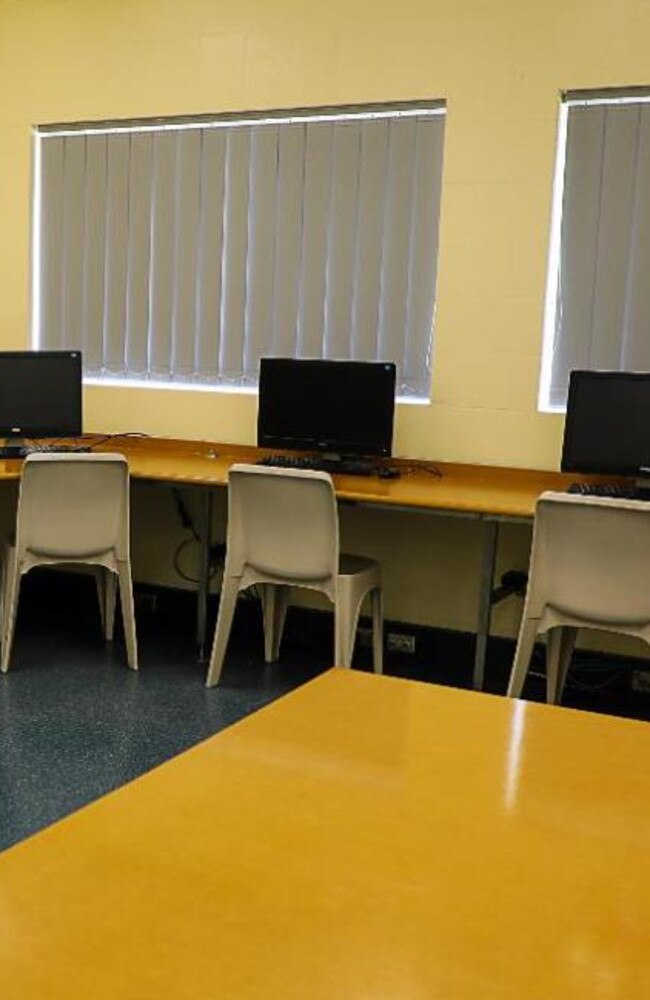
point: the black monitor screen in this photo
(40, 393)
(607, 426)
(339, 406)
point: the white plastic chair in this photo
(72, 508)
(283, 532)
(589, 568)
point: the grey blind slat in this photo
(423, 257)
(261, 243)
(369, 238)
(210, 255)
(288, 239)
(396, 234)
(116, 263)
(316, 184)
(338, 335)
(186, 258)
(94, 254)
(50, 273)
(186, 254)
(139, 254)
(234, 254)
(72, 243)
(161, 299)
(602, 295)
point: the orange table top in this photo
(363, 837)
(426, 485)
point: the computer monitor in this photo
(342, 407)
(40, 394)
(607, 427)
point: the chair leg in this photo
(227, 602)
(106, 592)
(523, 653)
(128, 614)
(559, 649)
(275, 600)
(110, 592)
(4, 577)
(9, 607)
(346, 617)
(377, 631)
(100, 583)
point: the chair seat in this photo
(595, 619)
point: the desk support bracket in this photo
(204, 571)
(490, 539)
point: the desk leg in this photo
(204, 571)
(490, 538)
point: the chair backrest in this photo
(73, 506)
(591, 558)
(282, 525)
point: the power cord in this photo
(184, 514)
(580, 674)
(217, 549)
(111, 437)
(82, 442)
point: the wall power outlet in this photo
(396, 642)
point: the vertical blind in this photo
(183, 252)
(601, 289)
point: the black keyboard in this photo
(614, 491)
(23, 450)
(342, 466)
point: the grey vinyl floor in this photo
(75, 723)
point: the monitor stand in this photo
(12, 447)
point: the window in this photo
(598, 294)
(179, 252)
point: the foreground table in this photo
(363, 837)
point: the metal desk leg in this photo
(204, 571)
(490, 538)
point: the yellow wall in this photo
(500, 64)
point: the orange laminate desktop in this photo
(477, 489)
(489, 490)
(363, 837)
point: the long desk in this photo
(489, 494)
(362, 837)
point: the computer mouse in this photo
(386, 472)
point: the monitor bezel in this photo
(576, 378)
(379, 449)
(51, 430)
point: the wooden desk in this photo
(363, 837)
(489, 494)
(472, 489)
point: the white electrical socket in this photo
(641, 680)
(399, 642)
